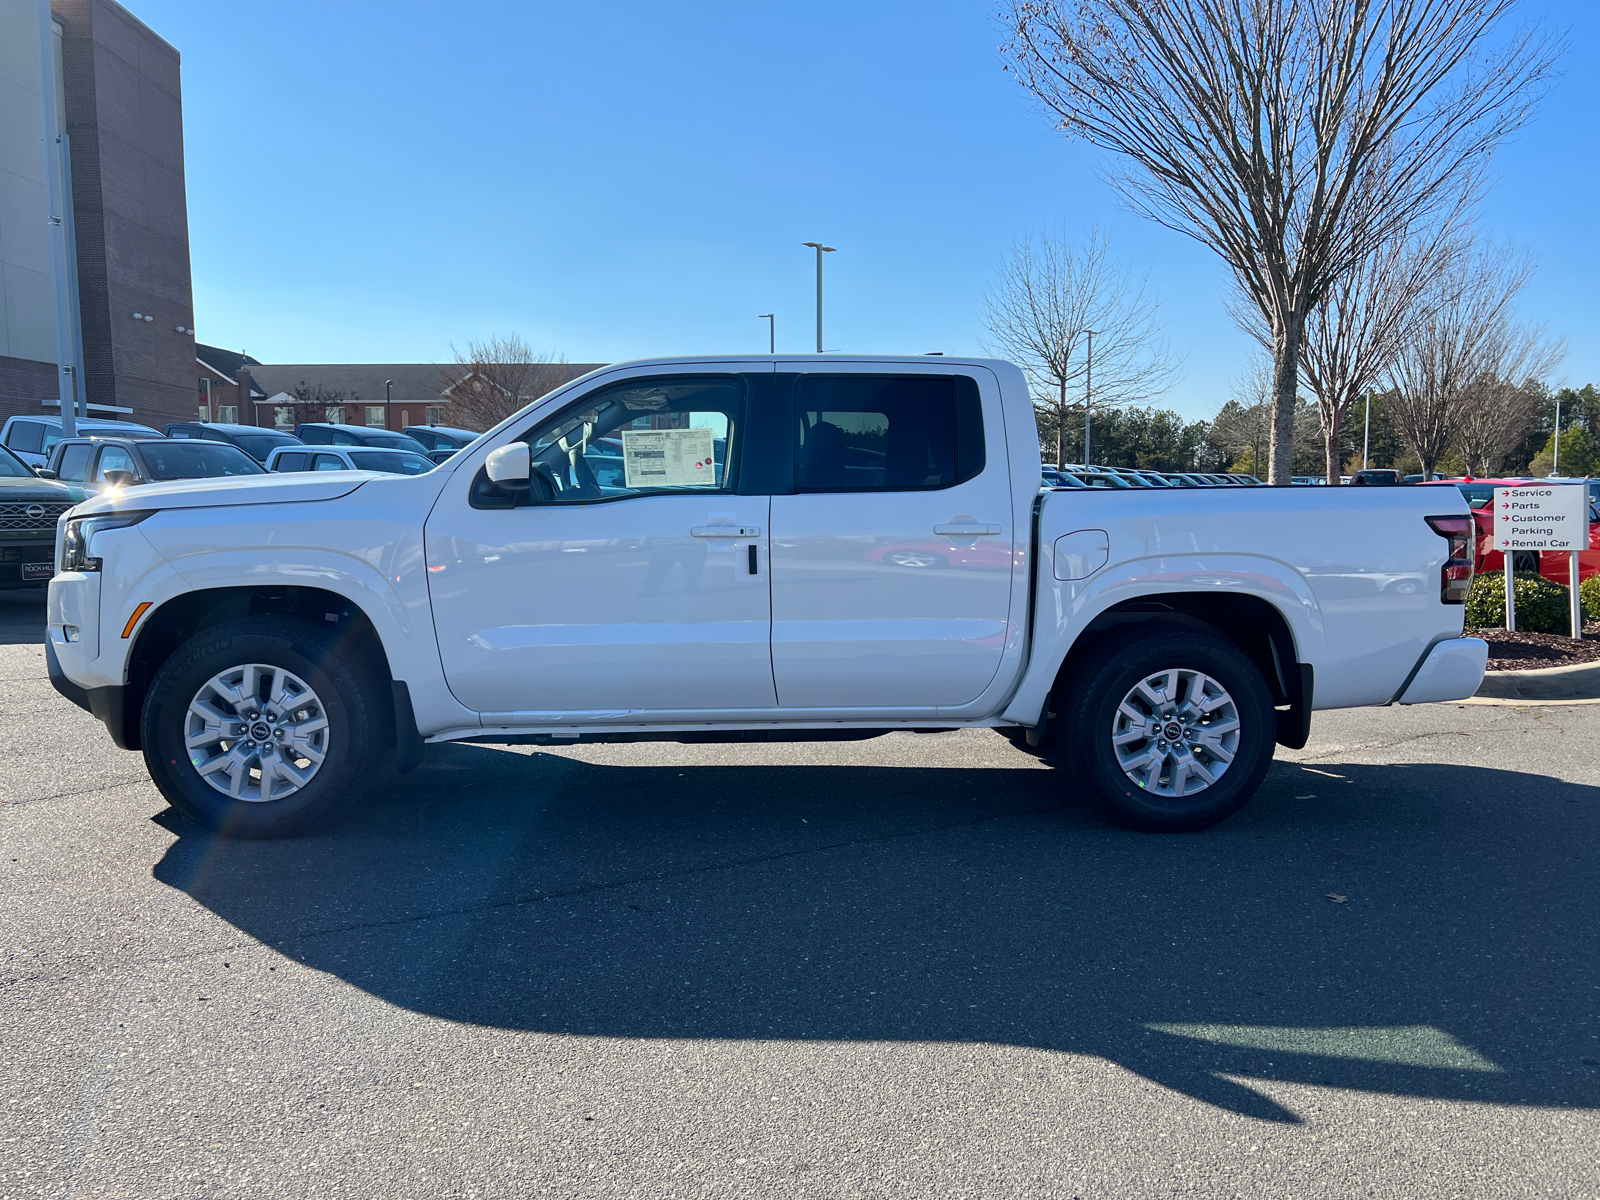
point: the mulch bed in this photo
(1536, 651)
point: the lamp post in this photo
(821, 250)
(1366, 430)
(387, 385)
(772, 331)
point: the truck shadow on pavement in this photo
(1423, 930)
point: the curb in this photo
(1581, 681)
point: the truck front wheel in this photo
(259, 726)
(1175, 729)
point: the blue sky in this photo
(374, 182)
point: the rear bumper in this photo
(1451, 670)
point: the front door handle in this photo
(967, 530)
(726, 531)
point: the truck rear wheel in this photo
(1174, 729)
(260, 726)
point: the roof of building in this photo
(222, 362)
(362, 383)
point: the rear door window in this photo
(329, 462)
(291, 461)
(868, 433)
(26, 436)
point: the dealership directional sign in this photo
(1541, 516)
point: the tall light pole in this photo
(388, 385)
(772, 331)
(1088, 398)
(821, 250)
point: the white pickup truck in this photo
(727, 549)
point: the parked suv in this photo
(356, 435)
(29, 508)
(33, 438)
(441, 437)
(98, 463)
(254, 441)
(349, 458)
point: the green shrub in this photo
(1589, 595)
(1542, 606)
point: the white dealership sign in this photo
(1541, 516)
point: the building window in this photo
(204, 414)
(334, 414)
(283, 416)
(435, 413)
(375, 417)
(227, 414)
(405, 417)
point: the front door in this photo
(631, 577)
(892, 559)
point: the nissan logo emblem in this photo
(36, 510)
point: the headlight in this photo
(77, 538)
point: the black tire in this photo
(1089, 701)
(344, 683)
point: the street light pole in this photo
(388, 385)
(772, 331)
(821, 250)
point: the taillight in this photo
(1455, 577)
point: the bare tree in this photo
(1352, 337)
(495, 377)
(1461, 340)
(1293, 137)
(1050, 296)
(1498, 407)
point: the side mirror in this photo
(44, 472)
(510, 468)
(120, 478)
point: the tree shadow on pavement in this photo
(857, 903)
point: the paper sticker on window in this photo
(668, 458)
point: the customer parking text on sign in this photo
(1541, 516)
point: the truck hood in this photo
(289, 488)
(24, 491)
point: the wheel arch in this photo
(181, 617)
(1253, 624)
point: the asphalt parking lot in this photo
(910, 966)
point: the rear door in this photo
(892, 552)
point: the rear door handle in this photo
(726, 531)
(973, 530)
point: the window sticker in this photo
(668, 458)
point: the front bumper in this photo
(26, 564)
(106, 704)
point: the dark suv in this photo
(441, 437)
(256, 442)
(29, 507)
(356, 435)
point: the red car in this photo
(1552, 564)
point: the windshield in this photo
(196, 460)
(259, 445)
(391, 462)
(12, 467)
(394, 441)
